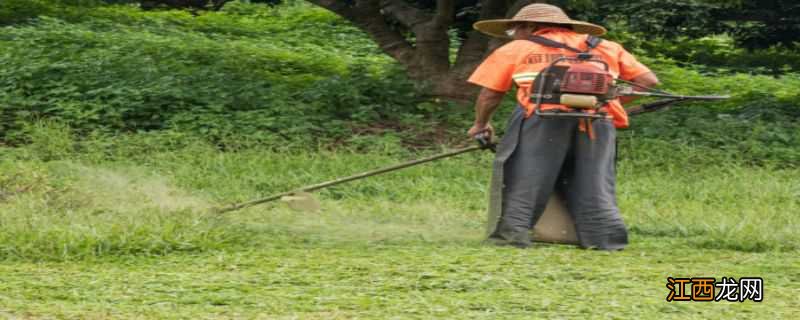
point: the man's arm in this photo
(487, 103)
(647, 80)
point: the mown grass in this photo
(109, 228)
(64, 199)
(322, 280)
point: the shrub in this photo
(297, 75)
(16, 11)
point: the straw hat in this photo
(537, 12)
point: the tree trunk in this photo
(427, 57)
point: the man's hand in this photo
(648, 80)
(484, 135)
(477, 129)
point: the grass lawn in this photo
(104, 235)
(320, 279)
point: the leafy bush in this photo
(16, 11)
(720, 55)
(754, 24)
(217, 75)
(758, 124)
(297, 75)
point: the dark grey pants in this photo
(552, 155)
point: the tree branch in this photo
(218, 4)
(474, 46)
(445, 13)
(338, 7)
(366, 16)
(407, 15)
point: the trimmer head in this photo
(302, 201)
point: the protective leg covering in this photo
(539, 156)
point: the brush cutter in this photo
(586, 85)
(554, 226)
(300, 198)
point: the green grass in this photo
(111, 229)
(324, 280)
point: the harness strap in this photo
(591, 41)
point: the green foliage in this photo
(20, 11)
(669, 19)
(758, 125)
(767, 23)
(754, 24)
(16, 11)
(298, 76)
(218, 74)
(720, 55)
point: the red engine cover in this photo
(586, 78)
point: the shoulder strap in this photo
(591, 42)
(552, 43)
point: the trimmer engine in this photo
(585, 84)
(586, 78)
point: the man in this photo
(538, 155)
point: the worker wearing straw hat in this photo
(539, 156)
